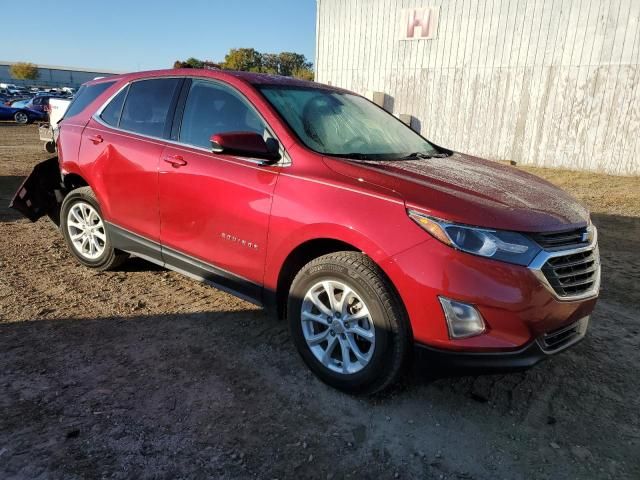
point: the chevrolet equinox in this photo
(377, 245)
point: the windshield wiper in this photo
(389, 156)
(355, 156)
(422, 155)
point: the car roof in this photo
(247, 77)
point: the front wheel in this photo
(21, 118)
(348, 324)
(85, 233)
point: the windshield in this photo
(343, 124)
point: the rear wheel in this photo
(85, 233)
(21, 118)
(347, 323)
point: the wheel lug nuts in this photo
(346, 324)
(329, 319)
(333, 334)
(343, 336)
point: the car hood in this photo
(466, 189)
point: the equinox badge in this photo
(239, 241)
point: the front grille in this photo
(563, 337)
(574, 273)
(554, 240)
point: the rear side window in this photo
(86, 95)
(111, 113)
(147, 106)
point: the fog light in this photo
(463, 319)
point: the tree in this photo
(303, 73)
(290, 62)
(192, 62)
(245, 59)
(24, 71)
(195, 63)
(270, 63)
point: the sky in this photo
(144, 35)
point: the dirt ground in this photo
(143, 373)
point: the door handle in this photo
(96, 139)
(175, 161)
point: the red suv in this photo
(376, 244)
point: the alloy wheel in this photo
(86, 230)
(337, 326)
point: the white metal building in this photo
(54, 75)
(544, 82)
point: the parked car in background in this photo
(48, 132)
(41, 102)
(19, 102)
(17, 91)
(21, 115)
(319, 205)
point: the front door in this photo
(214, 208)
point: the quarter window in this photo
(213, 108)
(147, 106)
(111, 113)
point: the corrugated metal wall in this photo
(51, 77)
(544, 82)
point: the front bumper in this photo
(491, 362)
(516, 306)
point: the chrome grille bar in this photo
(570, 274)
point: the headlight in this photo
(501, 245)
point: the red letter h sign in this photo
(419, 18)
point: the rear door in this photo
(214, 208)
(121, 145)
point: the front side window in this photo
(147, 106)
(213, 108)
(332, 122)
(86, 95)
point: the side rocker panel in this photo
(166, 257)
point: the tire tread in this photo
(391, 304)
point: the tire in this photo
(80, 213)
(372, 298)
(21, 118)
